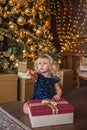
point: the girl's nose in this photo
(42, 64)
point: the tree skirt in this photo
(8, 122)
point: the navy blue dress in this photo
(44, 87)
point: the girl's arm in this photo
(58, 94)
(32, 74)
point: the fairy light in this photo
(70, 23)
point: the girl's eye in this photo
(45, 63)
(39, 63)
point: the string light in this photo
(70, 23)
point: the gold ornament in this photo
(5, 15)
(15, 65)
(59, 61)
(8, 13)
(39, 32)
(22, 34)
(21, 21)
(34, 29)
(20, 2)
(51, 37)
(47, 24)
(33, 48)
(15, 10)
(41, 16)
(25, 53)
(27, 11)
(46, 48)
(31, 22)
(5, 8)
(40, 47)
(11, 3)
(27, 33)
(41, 8)
(13, 27)
(3, 1)
(12, 57)
(30, 41)
(33, 56)
(5, 66)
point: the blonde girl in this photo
(46, 79)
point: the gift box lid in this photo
(49, 107)
(8, 77)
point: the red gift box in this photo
(49, 107)
(49, 112)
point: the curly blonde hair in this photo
(53, 65)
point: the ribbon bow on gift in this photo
(52, 105)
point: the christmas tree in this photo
(24, 32)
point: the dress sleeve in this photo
(56, 79)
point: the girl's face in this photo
(43, 65)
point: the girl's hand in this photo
(32, 74)
(56, 97)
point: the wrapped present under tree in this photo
(49, 112)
